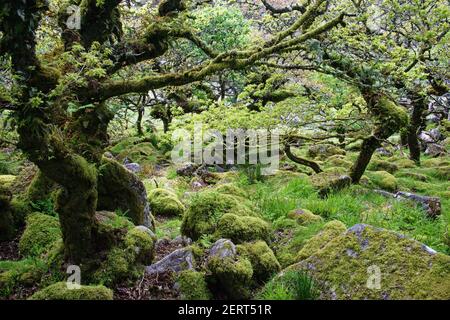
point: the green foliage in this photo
(290, 285)
(14, 274)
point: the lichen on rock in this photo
(329, 231)
(350, 265)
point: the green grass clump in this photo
(291, 285)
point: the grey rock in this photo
(177, 261)
(435, 150)
(223, 248)
(384, 152)
(147, 231)
(187, 169)
(431, 205)
(182, 240)
(133, 167)
(108, 155)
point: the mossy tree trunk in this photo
(419, 106)
(389, 119)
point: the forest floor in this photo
(274, 198)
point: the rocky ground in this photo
(228, 234)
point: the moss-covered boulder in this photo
(330, 231)
(119, 188)
(205, 210)
(42, 233)
(323, 151)
(372, 263)
(405, 163)
(339, 161)
(413, 175)
(328, 182)
(241, 229)
(383, 165)
(262, 258)
(165, 203)
(127, 257)
(231, 189)
(304, 216)
(231, 276)
(384, 180)
(192, 285)
(7, 229)
(21, 273)
(60, 291)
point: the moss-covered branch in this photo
(233, 60)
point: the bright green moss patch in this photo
(231, 189)
(232, 277)
(7, 180)
(330, 230)
(165, 203)
(405, 163)
(324, 151)
(242, 228)
(127, 258)
(384, 180)
(42, 232)
(304, 216)
(60, 291)
(26, 272)
(205, 210)
(193, 286)
(339, 161)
